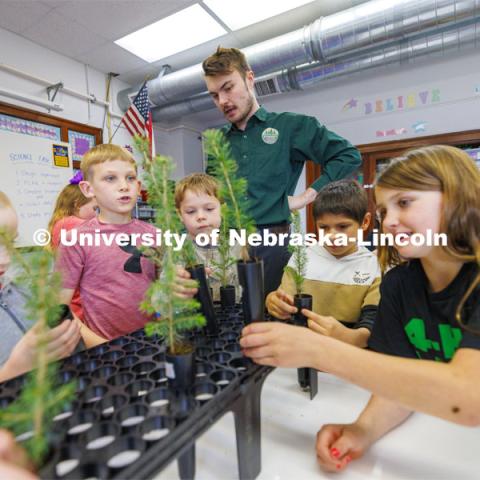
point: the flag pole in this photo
(111, 138)
(120, 123)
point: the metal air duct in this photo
(370, 25)
(308, 75)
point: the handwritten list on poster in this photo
(32, 181)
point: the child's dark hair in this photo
(344, 197)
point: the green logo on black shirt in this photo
(270, 135)
(450, 338)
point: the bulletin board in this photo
(80, 136)
(33, 171)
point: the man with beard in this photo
(270, 149)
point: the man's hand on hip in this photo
(296, 202)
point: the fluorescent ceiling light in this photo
(180, 31)
(238, 14)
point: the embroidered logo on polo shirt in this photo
(270, 135)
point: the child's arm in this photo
(447, 390)
(61, 342)
(90, 338)
(331, 327)
(337, 445)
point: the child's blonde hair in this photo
(451, 171)
(104, 153)
(69, 201)
(197, 182)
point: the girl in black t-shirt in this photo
(429, 309)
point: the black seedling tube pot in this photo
(301, 301)
(66, 314)
(204, 297)
(250, 275)
(227, 296)
(307, 377)
(180, 369)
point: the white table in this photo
(422, 448)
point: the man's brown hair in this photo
(197, 182)
(104, 153)
(225, 61)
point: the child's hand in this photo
(280, 345)
(325, 325)
(209, 271)
(338, 445)
(63, 339)
(183, 287)
(13, 459)
(61, 342)
(331, 327)
(280, 304)
(12, 472)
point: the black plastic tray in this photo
(125, 421)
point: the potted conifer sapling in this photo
(225, 261)
(307, 377)
(42, 398)
(174, 315)
(233, 191)
(204, 294)
(298, 270)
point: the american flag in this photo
(138, 118)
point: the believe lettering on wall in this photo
(392, 103)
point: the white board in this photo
(32, 176)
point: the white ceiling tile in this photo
(111, 58)
(85, 29)
(63, 35)
(117, 18)
(18, 15)
(139, 75)
(196, 54)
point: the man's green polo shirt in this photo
(271, 151)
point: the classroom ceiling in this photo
(85, 30)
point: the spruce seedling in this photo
(299, 256)
(41, 397)
(189, 255)
(174, 314)
(226, 260)
(233, 190)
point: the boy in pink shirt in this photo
(112, 277)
